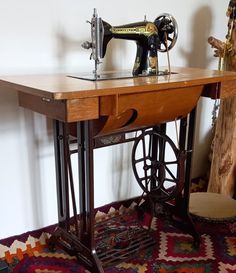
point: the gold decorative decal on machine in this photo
(146, 30)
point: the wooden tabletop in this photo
(62, 87)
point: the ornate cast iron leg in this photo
(62, 156)
(182, 201)
(86, 189)
(79, 239)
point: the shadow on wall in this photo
(34, 166)
(65, 45)
(38, 130)
(9, 113)
(196, 56)
(21, 146)
(116, 52)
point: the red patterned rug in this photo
(172, 253)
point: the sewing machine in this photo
(150, 37)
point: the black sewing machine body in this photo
(146, 36)
(150, 37)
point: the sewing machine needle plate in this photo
(114, 75)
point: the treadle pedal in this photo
(116, 243)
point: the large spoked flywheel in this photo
(158, 165)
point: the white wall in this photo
(45, 37)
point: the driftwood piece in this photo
(223, 166)
(218, 45)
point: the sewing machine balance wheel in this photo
(167, 31)
(159, 177)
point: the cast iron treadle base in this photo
(121, 238)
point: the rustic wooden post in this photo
(223, 167)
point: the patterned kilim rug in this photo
(172, 253)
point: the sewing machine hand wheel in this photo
(167, 31)
(158, 176)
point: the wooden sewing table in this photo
(96, 114)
